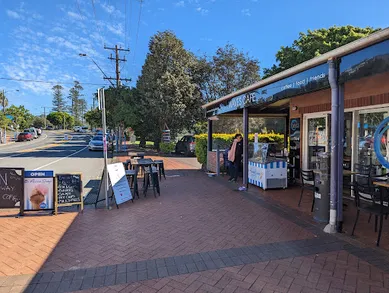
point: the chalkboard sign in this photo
(12, 188)
(69, 190)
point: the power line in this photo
(137, 30)
(48, 82)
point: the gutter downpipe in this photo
(339, 221)
(209, 141)
(333, 80)
(245, 146)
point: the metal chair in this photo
(307, 183)
(371, 201)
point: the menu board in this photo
(120, 186)
(11, 187)
(69, 189)
(38, 190)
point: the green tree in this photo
(74, 97)
(227, 71)
(4, 121)
(3, 97)
(59, 103)
(22, 116)
(38, 122)
(315, 43)
(93, 118)
(58, 119)
(82, 108)
(168, 95)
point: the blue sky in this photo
(41, 39)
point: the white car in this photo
(96, 143)
(77, 128)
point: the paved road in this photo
(52, 152)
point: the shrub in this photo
(167, 147)
(224, 140)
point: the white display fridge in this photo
(265, 170)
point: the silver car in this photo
(96, 143)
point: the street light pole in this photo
(101, 100)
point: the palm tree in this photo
(3, 98)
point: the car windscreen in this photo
(100, 138)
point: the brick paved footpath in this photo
(200, 235)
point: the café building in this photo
(332, 103)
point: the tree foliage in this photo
(59, 103)
(3, 98)
(38, 122)
(315, 43)
(22, 116)
(93, 118)
(168, 94)
(227, 71)
(74, 97)
(59, 118)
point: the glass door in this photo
(317, 139)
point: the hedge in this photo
(167, 147)
(224, 140)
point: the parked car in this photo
(34, 132)
(77, 128)
(49, 127)
(186, 145)
(96, 143)
(25, 136)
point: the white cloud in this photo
(111, 10)
(75, 16)
(180, 4)
(202, 11)
(161, 9)
(116, 29)
(206, 39)
(246, 12)
(14, 14)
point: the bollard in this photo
(217, 160)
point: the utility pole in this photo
(44, 114)
(117, 61)
(118, 79)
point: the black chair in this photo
(364, 174)
(161, 168)
(132, 178)
(307, 183)
(371, 200)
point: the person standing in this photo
(235, 157)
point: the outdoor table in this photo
(136, 155)
(145, 164)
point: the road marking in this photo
(21, 152)
(53, 162)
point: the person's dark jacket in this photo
(238, 152)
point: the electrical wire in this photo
(48, 82)
(137, 30)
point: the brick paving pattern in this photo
(198, 236)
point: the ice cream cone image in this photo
(38, 196)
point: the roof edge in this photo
(354, 46)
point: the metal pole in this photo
(245, 146)
(103, 118)
(44, 114)
(217, 160)
(339, 224)
(209, 142)
(4, 139)
(333, 80)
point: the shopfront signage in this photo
(366, 62)
(120, 186)
(304, 82)
(38, 190)
(11, 187)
